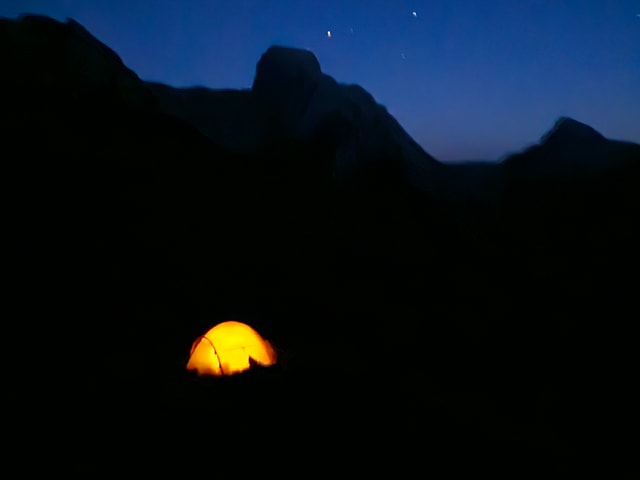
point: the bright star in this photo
(328, 33)
(415, 14)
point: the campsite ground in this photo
(320, 406)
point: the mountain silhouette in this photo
(292, 99)
(139, 213)
(566, 129)
(572, 148)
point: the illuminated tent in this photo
(229, 348)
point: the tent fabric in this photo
(229, 348)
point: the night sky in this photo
(468, 79)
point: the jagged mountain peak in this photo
(567, 129)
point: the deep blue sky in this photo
(468, 79)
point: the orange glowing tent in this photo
(229, 348)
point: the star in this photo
(328, 33)
(415, 14)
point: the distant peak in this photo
(569, 129)
(286, 75)
(570, 123)
(281, 57)
(288, 51)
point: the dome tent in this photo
(229, 348)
